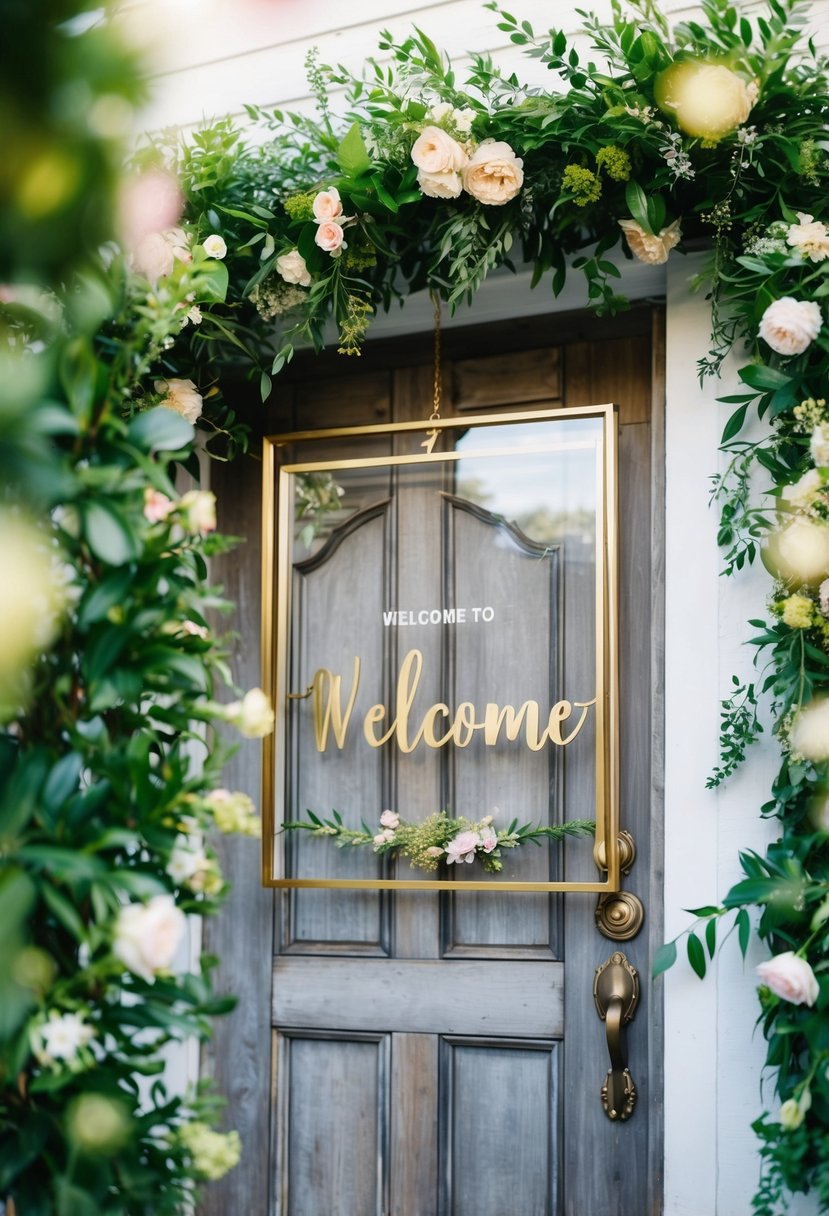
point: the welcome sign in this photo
(440, 635)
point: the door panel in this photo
(440, 1054)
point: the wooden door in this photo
(440, 1054)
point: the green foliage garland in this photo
(714, 130)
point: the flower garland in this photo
(439, 838)
(712, 129)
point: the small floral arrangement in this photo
(441, 838)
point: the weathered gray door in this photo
(440, 1053)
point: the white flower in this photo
(790, 977)
(439, 159)
(823, 595)
(330, 237)
(819, 445)
(253, 715)
(462, 848)
(791, 1116)
(463, 120)
(147, 936)
(390, 819)
(789, 326)
(647, 247)
(193, 316)
(810, 237)
(291, 266)
(494, 174)
(803, 493)
(61, 1037)
(809, 732)
(439, 112)
(182, 396)
(326, 206)
(186, 859)
(198, 509)
(214, 246)
(157, 253)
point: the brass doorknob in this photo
(616, 993)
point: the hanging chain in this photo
(435, 414)
(432, 434)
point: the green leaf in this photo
(62, 780)
(638, 205)
(711, 937)
(160, 430)
(664, 958)
(352, 153)
(696, 955)
(743, 931)
(107, 533)
(757, 375)
(79, 377)
(97, 601)
(212, 281)
(64, 911)
(734, 424)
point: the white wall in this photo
(214, 55)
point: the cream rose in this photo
(493, 174)
(327, 205)
(153, 257)
(253, 715)
(809, 733)
(440, 185)
(215, 246)
(182, 396)
(708, 100)
(436, 152)
(291, 266)
(330, 237)
(198, 510)
(147, 936)
(810, 237)
(648, 247)
(789, 977)
(790, 326)
(799, 553)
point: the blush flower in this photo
(327, 205)
(489, 839)
(390, 819)
(493, 174)
(330, 237)
(182, 396)
(790, 977)
(790, 326)
(157, 506)
(649, 247)
(462, 848)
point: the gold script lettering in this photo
(330, 716)
(327, 705)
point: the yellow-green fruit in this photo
(706, 100)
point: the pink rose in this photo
(790, 977)
(462, 848)
(489, 839)
(327, 205)
(148, 203)
(790, 326)
(330, 237)
(157, 506)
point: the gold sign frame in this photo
(277, 544)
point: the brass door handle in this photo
(616, 993)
